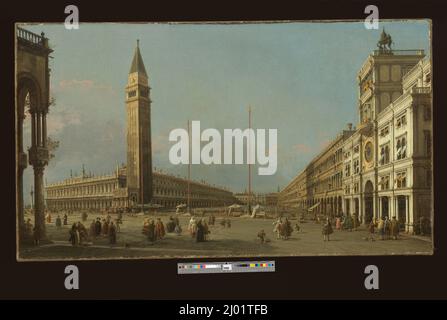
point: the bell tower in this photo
(139, 146)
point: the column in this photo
(408, 215)
(39, 211)
(44, 130)
(375, 208)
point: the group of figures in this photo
(107, 228)
(32, 232)
(199, 229)
(283, 229)
(58, 221)
(347, 222)
(386, 228)
(155, 231)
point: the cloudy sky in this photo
(299, 78)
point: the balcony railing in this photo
(400, 52)
(420, 90)
(32, 38)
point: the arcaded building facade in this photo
(387, 160)
(319, 186)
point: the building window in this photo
(427, 142)
(401, 121)
(401, 179)
(347, 189)
(385, 131)
(384, 154)
(356, 149)
(132, 94)
(356, 166)
(427, 113)
(401, 148)
(427, 78)
(356, 187)
(144, 93)
(347, 170)
(384, 182)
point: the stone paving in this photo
(239, 240)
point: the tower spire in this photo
(137, 61)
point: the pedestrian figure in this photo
(112, 233)
(338, 223)
(58, 221)
(297, 227)
(261, 235)
(327, 230)
(192, 227)
(74, 235)
(387, 228)
(97, 227)
(355, 222)
(371, 228)
(206, 230)
(105, 227)
(286, 229)
(65, 219)
(159, 229)
(82, 233)
(151, 231)
(348, 223)
(92, 231)
(394, 226)
(200, 236)
(145, 226)
(117, 225)
(170, 226)
(36, 236)
(277, 228)
(178, 229)
(228, 223)
(381, 229)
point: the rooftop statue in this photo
(385, 42)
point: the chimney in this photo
(350, 126)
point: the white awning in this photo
(314, 206)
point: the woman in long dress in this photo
(338, 223)
(327, 230)
(192, 227)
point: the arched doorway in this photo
(368, 198)
(32, 102)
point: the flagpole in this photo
(189, 167)
(249, 159)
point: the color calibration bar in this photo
(226, 267)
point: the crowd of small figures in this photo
(199, 228)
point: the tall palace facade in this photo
(134, 183)
(384, 166)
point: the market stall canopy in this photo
(314, 206)
(180, 206)
(234, 206)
